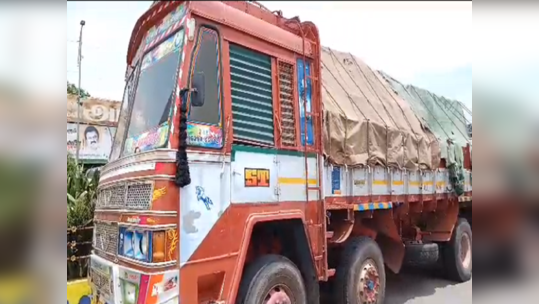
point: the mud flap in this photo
(388, 239)
(440, 225)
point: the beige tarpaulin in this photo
(366, 122)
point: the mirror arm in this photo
(188, 90)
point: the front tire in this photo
(457, 254)
(361, 276)
(272, 279)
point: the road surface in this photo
(415, 287)
(492, 287)
(423, 287)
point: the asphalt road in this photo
(414, 287)
(424, 287)
(491, 285)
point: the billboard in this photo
(96, 141)
(94, 111)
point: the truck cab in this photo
(197, 130)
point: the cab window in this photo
(207, 62)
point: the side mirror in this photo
(199, 86)
(93, 172)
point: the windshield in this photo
(154, 96)
(123, 119)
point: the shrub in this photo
(81, 194)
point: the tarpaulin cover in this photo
(444, 117)
(366, 122)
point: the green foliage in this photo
(81, 194)
(74, 90)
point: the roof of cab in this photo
(250, 17)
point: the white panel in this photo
(202, 204)
(326, 177)
(251, 160)
(346, 181)
(440, 181)
(291, 178)
(380, 181)
(414, 183)
(314, 169)
(427, 179)
(397, 182)
(360, 182)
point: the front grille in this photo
(139, 196)
(102, 282)
(136, 196)
(106, 237)
(112, 197)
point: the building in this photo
(98, 122)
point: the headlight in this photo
(140, 244)
(126, 242)
(147, 246)
(135, 244)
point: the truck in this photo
(251, 164)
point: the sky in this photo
(388, 36)
(428, 44)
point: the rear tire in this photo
(421, 255)
(457, 254)
(360, 274)
(272, 277)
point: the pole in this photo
(79, 103)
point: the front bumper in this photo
(114, 284)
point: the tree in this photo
(74, 90)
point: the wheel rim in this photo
(465, 250)
(278, 295)
(369, 283)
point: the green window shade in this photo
(252, 96)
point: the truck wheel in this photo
(421, 255)
(457, 254)
(360, 276)
(272, 279)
